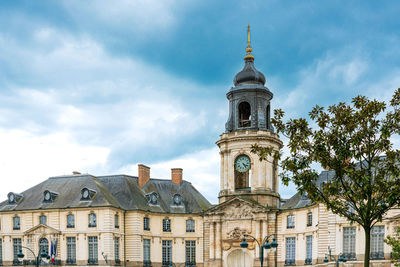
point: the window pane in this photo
(16, 223)
(190, 225)
(42, 219)
(190, 249)
(93, 250)
(146, 251)
(116, 248)
(166, 252)
(92, 220)
(349, 242)
(116, 219)
(71, 250)
(309, 247)
(17, 247)
(1, 250)
(70, 221)
(377, 237)
(166, 225)
(290, 250)
(146, 224)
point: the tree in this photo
(353, 140)
(394, 242)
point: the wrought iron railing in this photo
(93, 262)
(71, 261)
(290, 262)
(166, 264)
(147, 263)
(190, 264)
(349, 256)
(377, 255)
(308, 261)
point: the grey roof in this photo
(119, 191)
(300, 201)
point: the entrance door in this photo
(238, 258)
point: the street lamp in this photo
(264, 245)
(41, 255)
(341, 258)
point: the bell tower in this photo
(242, 173)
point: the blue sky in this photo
(100, 86)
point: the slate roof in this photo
(119, 191)
(300, 201)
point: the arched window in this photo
(244, 114)
(44, 245)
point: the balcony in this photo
(17, 262)
(290, 262)
(147, 264)
(71, 261)
(308, 261)
(190, 264)
(350, 256)
(167, 263)
(93, 262)
(377, 255)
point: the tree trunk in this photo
(367, 253)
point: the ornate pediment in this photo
(42, 229)
(237, 208)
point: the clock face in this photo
(242, 163)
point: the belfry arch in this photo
(244, 110)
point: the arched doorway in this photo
(238, 258)
(44, 245)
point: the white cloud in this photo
(27, 159)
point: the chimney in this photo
(144, 175)
(76, 173)
(176, 176)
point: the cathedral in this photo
(123, 220)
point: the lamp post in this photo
(340, 258)
(264, 245)
(41, 255)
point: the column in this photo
(212, 241)
(218, 241)
(258, 236)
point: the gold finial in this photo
(248, 48)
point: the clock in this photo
(242, 163)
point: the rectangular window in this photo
(166, 225)
(17, 247)
(309, 219)
(116, 250)
(309, 249)
(377, 237)
(146, 223)
(166, 252)
(290, 251)
(116, 221)
(349, 242)
(146, 252)
(70, 221)
(93, 250)
(190, 249)
(16, 223)
(42, 219)
(190, 226)
(290, 221)
(92, 220)
(71, 250)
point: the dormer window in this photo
(87, 194)
(49, 196)
(177, 199)
(152, 198)
(13, 198)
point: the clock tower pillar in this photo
(242, 173)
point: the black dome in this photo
(249, 74)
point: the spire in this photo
(248, 56)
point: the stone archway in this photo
(238, 258)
